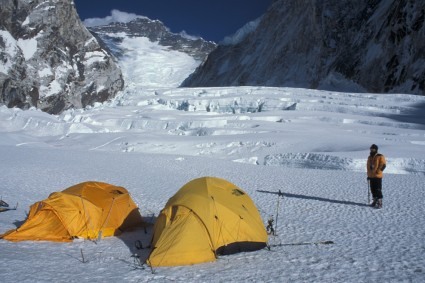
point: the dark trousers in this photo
(376, 187)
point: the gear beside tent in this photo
(89, 210)
(205, 218)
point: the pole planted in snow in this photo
(279, 194)
(368, 191)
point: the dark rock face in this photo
(49, 60)
(365, 45)
(155, 31)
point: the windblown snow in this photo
(312, 145)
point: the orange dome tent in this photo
(87, 210)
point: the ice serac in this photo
(366, 45)
(49, 59)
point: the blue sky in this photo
(210, 19)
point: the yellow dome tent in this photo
(87, 210)
(206, 217)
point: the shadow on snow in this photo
(289, 195)
(414, 116)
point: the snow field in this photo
(318, 205)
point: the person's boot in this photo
(374, 202)
(379, 203)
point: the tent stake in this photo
(82, 256)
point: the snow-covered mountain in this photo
(53, 62)
(373, 46)
(50, 60)
(150, 56)
(113, 35)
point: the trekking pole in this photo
(368, 191)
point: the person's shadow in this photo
(290, 195)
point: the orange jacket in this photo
(376, 165)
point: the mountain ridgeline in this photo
(155, 31)
(366, 46)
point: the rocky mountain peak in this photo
(49, 60)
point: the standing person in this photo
(375, 167)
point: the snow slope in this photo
(311, 145)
